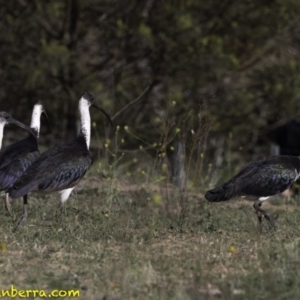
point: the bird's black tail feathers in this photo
(220, 193)
(15, 192)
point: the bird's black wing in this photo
(56, 169)
(231, 188)
(14, 151)
(266, 181)
(66, 175)
(17, 166)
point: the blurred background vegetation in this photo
(213, 76)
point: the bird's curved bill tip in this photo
(104, 112)
(46, 117)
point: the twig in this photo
(147, 89)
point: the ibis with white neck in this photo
(59, 169)
(17, 157)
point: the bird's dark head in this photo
(91, 102)
(88, 97)
(6, 118)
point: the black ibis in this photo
(17, 157)
(62, 167)
(5, 119)
(260, 179)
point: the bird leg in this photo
(7, 204)
(260, 212)
(61, 208)
(25, 213)
(61, 213)
(259, 217)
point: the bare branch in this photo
(147, 89)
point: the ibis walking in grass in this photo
(260, 179)
(17, 157)
(60, 168)
(5, 119)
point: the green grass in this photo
(126, 241)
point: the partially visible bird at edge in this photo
(60, 168)
(260, 179)
(17, 157)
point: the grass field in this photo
(120, 240)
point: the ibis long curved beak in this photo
(46, 117)
(104, 112)
(15, 122)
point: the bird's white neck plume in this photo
(36, 118)
(1, 133)
(85, 121)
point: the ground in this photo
(118, 240)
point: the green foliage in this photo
(235, 63)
